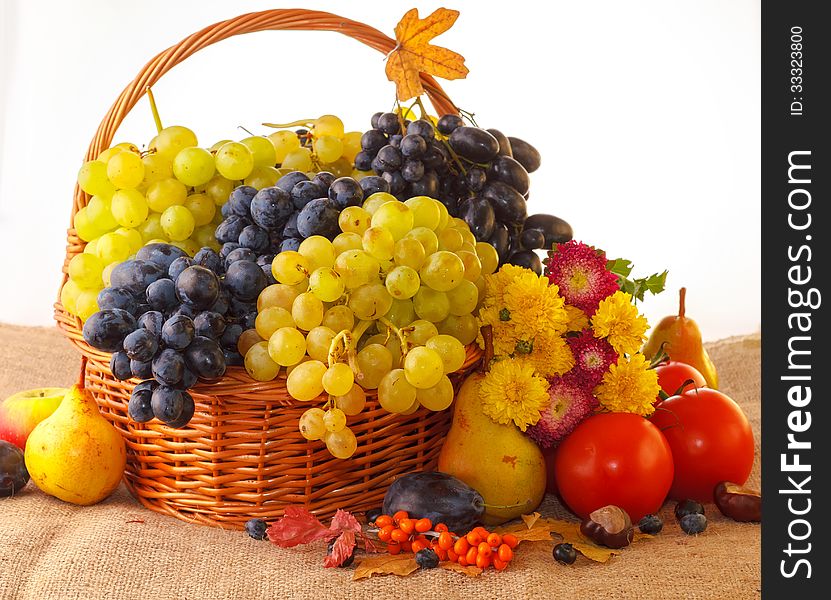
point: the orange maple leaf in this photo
(414, 54)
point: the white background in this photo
(646, 114)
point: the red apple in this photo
(20, 413)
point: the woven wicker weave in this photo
(242, 455)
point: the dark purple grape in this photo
(377, 167)
(324, 179)
(205, 358)
(13, 473)
(509, 171)
(245, 280)
(225, 210)
(184, 311)
(167, 403)
(475, 179)
(389, 158)
(161, 295)
(229, 229)
(256, 528)
(395, 140)
(423, 128)
(363, 160)
(500, 240)
(451, 203)
(269, 276)
(221, 304)
(436, 156)
(168, 367)
(345, 191)
(532, 239)
(396, 181)
(239, 254)
(389, 124)
(291, 243)
(556, 230)
(504, 142)
(106, 329)
(374, 119)
(290, 228)
(474, 144)
(188, 380)
(230, 336)
(140, 407)
(508, 204)
(178, 332)
(113, 297)
(413, 146)
(478, 214)
(209, 324)
(208, 258)
(152, 321)
(428, 185)
(249, 320)
(141, 345)
(255, 239)
(160, 255)
(140, 369)
(373, 184)
(527, 259)
(412, 171)
(289, 180)
(120, 366)
(197, 287)
(177, 266)
(135, 275)
(372, 141)
(525, 154)
(306, 191)
(272, 207)
(188, 409)
(447, 123)
(226, 249)
(233, 358)
(319, 217)
(240, 200)
(265, 259)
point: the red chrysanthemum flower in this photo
(592, 358)
(569, 403)
(580, 272)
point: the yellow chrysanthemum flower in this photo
(617, 320)
(577, 319)
(550, 356)
(534, 305)
(511, 393)
(629, 386)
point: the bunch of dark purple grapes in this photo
(171, 320)
(480, 175)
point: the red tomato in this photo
(711, 441)
(614, 458)
(672, 374)
(550, 480)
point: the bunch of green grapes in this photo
(323, 146)
(388, 304)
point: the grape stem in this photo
(298, 123)
(154, 109)
(401, 334)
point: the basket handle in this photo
(276, 19)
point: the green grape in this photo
(341, 444)
(351, 145)
(442, 271)
(376, 200)
(219, 189)
(298, 160)
(459, 224)
(431, 305)
(85, 229)
(328, 148)
(444, 217)
(129, 208)
(450, 239)
(425, 212)
(85, 270)
(92, 247)
(481, 287)
(466, 247)
(370, 301)
(402, 282)
(262, 177)
(401, 313)
(451, 351)
(304, 383)
(346, 241)
(92, 178)
(172, 140)
(194, 166)
(151, 228)
(125, 170)
(133, 238)
(290, 267)
(234, 161)
(318, 341)
(374, 361)
(283, 142)
(99, 213)
(423, 367)
(204, 237)
(247, 339)
(218, 145)
(163, 194)
(326, 284)
(188, 245)
(311, 424)
(112, 247)
(339, 318)
(69, 296)
(271, 319)
(356, 268)
(378, 243)
(286, 346)
(129, 147)
(353, 402)
(107, 272)
(335, 418)
(473, 266)
(262, 149)
(328, 125)
(354, 219)
(107, 154)
(278, 294)
(436, 398)
(318, 251)
(307, 311)
(468, 238)
(464, 328)
(156, 168)
(259, 364)
(201, 207)
(395, 393)
(428, 239)
(421, 332)
(87, 303)
(395, 217)
(409, 253)
(463, 298)
(178, 223)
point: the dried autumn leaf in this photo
(385, 564)
(529, 520)
(470, 570)
(344, 521)
(341, 550)
(414, 54)
(297, 526)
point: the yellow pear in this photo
(681, 340)
(75, 454)
(500, 462)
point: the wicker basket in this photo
(242, 455)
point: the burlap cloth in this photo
(118, 549)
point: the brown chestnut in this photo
(609, 526)
(738, 502)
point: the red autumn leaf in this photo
(297, 526)
(341, 549)
(344, 521)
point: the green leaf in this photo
(620, 266)
(656, 282)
